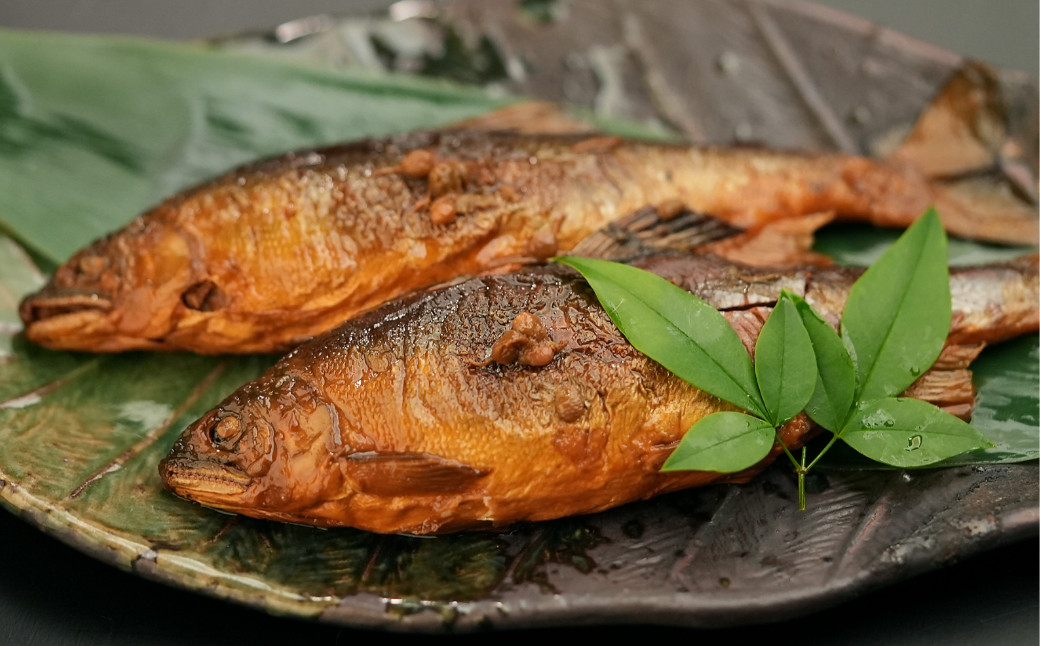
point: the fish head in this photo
(269, 451)
(119, 293)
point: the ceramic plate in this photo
(80, 435)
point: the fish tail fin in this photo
(948, 384)
(962, 129)
(986, 208)
(950, 390)
(983, 178)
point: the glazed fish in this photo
(511, 397)
(276, 252)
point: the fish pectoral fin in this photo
(962, 129)
(404, 474)
(654, 228)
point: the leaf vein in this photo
(32, 396)
(151, 436)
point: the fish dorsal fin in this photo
(786, 242)
(401, 474)
(649, 229)
(962, 129)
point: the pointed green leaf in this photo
(674, 328)
(724, 442)
(835, 388)
(898, 313)
(785, 365)
(859, 244)
(904, 432)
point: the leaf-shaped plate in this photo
(80, 435)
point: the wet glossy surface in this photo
(404, 421)
(278, 251)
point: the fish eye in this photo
(226, 428)
(90, 266)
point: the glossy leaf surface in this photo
(785, 365)
(724, 442)
(897, 315)
(835, 387)
(906, 432)
(675, 328)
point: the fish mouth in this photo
(203, 480)
(65, 319)
(56, 303)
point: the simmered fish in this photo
(513, 397)
(276, 252)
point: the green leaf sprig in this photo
(893, 327)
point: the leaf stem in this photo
(790, 456)
(834, 438)
(802, 469)
(799, 468)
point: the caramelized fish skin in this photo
(276, 252)
(399, 422)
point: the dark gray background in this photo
(50, 594)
